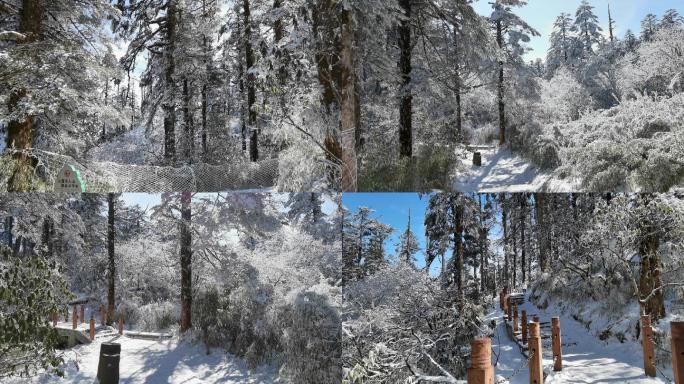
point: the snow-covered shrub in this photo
(397, 317)
(656, 67)
(207, 307)
(157, 316)
(312, 341)
(620, 148)
(301, 168)
(130, 311)
(563, 98)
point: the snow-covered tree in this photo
(587, 28)
(408, 245)
(649, 26)
(363, 239)
(562, 42)
(511, 34)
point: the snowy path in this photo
(159, 361)
(503, 171)
(586, 359)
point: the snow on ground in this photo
(586, 359)
(503, 171)
(158, 361)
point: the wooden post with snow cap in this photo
(74, 318)
(515, 318)
(82, 314)
(481, 370)
(535, 351)
(524, 326)
(647, 343)
(678, 351)
(121, 324)
(535, 318)
(92, 327)
(103, 316)
(556, 344)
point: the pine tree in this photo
(408, 245)
(561, 41)
(649, 26)
(671, 19)
(630, 41)
(587, 28)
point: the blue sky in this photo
(542, 13)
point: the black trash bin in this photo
(108, 365)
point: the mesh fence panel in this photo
(113, 177)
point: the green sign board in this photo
(69, 180)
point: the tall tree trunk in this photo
(243, 120)
(278, 35)
(500, 88)
(111, 273)
(251, 86)
(323, 28)
(349, 103)
(522, 238)
(106, 96)
(483, 249)
(186, 261)
(650, 281)
(457, 80)
(405, 110)
(515, 252)
(205, 85)
(189, 124)
(21, 132)
(458, 272)
(169, 104)
(542, 232)
(504, 222)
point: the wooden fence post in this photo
(535, 350)
(103, 316)
(82, 314)
(556, 344)
(121, 324)
(647, 343)
(515, 318)
(92, 327)
(481, 370)
(678, 351)
(524, 326)
(66, 315)
(74, 317)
